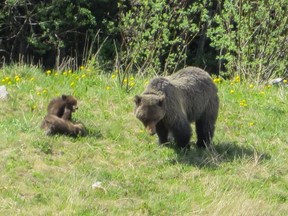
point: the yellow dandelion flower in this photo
(32, 79)
(232, 91)
(72, 84)
(243, 103)
(44, 91)
(113, 76)
(108, 88)
(65, 73)
(131, 84)
(3, 80)
(251, 124)
(116, 71)
(82, 67)
(83, 75)
(146, 82)
(9, 83)
(268, 86)
(125, 80)
(38, 93)
(18, 79)
(33, 107)
(48, 72)
(251, 86)
(262, 93)
(237, 79)
(217, 80)
(7, 78)
(285, 81)
(132, 78)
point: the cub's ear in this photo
(64, 97)
(137, 100)
(161, 100)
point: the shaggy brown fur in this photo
(52, 124)
(169, 104)
(59, 117)
(57, 106)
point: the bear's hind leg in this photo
(205, 126)
(182, 133)
(205, 132)
(162, 132)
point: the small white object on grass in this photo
(3, 92)
(279, 81)
(276, 81)
(98, 185)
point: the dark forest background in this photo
(229, 37)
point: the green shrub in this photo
(251, 37)
(155, 34)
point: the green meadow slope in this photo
(118, 169)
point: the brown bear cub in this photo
(59, 117)
(169, 104)
(52, 124)
(57, 106)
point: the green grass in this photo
(245, 173)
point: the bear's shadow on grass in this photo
(214, 156)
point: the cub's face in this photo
(71, 102)
(150, 109)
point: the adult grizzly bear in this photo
(57, 106)
(170, 104)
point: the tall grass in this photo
(120, 170)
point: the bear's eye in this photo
(160, 103)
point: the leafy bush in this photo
(251, 37)
(148, 37)
(48, 32)
(155, 34)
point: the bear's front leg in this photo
(162, 132)
(182, 133)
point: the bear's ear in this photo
(137, 100)
(64, 97)
(161, 100)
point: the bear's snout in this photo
(151, 128)
(74, 108)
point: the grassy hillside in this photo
(118, 169)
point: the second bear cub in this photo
(58, 105)
(59, 117)
(52, 124)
